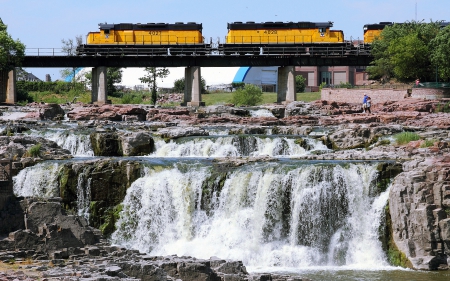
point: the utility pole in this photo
(416, 11)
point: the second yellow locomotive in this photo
(279, 37)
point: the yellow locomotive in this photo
(149, 38)
(372, 31)
(279, 37)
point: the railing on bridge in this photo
(45, 52)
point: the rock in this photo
(419, 192)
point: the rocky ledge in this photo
(56, 246)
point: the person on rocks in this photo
(368, 104)
(364, 103)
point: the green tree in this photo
(410, 57)
(249, 95)
(12, 51)
(114, 75)
(153, 73)
(440, 53)
(237, 85)
(403, 51)
(300, 84)
(178, 85)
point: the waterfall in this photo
(223, 146)
(41, 180)
(38, 181)
(79, 145)
(265, 214)
(83, 194)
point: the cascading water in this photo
(83, 195)
(38, 181)
(79, 145)
(271, 214)
(223, 146)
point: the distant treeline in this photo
(55, 87)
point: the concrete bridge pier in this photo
(8, 93)
(192, 87)
(99, 93)
(286, 85)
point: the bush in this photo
(33, 151)
(249, 95)
(406, 137)
(237, 85)
(131, 99)
(300, 84)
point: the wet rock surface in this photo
(419, 201)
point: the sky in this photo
(44, 23)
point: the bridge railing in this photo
(45, 52)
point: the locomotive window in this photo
(322, 30)
(106, 31)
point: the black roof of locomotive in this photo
(151, 26)
(377, 26)
(278, 25)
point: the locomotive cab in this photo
(372, 31)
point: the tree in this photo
(402, 51)
(12, 51)
(178, 85)
(440, 53)
(153, 73)
(69, 47)
(249, 95)
(410, 57)
(114, 75)
(300, 84)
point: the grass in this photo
(268, 98)
(406, 137)
(33, 151)
(136, 98)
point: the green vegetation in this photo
(443, 107)
(12, 51)
(300, 84)
(131, 99)
(152, 74)
(411, 50)
(428, 143)
(33, 151)
(249, 95)
(64, 92)
(406, 137)
(114, 75)
(178, 85)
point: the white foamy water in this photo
(265, 215)
(261, 113)
(40, 180)
(234, 146)
(79, 145)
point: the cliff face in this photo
(419, 205)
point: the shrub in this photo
(249, 95)
(237, 85)
(428, 143)
(131, 99)
(322, 85)
(406, 137)
(33, 151)
(300, 84)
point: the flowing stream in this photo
(316, 219)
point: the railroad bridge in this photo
(42, 58)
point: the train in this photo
(146, 39)
(243, 38)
